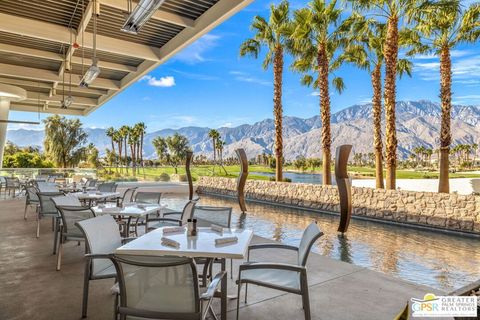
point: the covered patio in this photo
(31, 288)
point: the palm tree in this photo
(394, 12)
(110, 132)
(439, 31)
(140, 127)
(366, 51)
(272, 34)
(214, 135)
(315, 41)
(117, 137)
(124, 132)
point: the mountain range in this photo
(418, 124)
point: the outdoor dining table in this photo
(94, 195)
(200, 246)
(130, 210)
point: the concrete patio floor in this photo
(30, 288)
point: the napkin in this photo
(226, 240)
(170, 242)
(216, 228)
(173, 229)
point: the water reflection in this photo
(435, 259)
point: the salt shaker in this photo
(194, 230)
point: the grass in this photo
(150, 174)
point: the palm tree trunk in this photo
(377, 124)
(278, 111)
(120, 154)
(126, 154)
(391, 56)
(322, 61)
(445, 132)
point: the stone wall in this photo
(449, 211)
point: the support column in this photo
(4, 110)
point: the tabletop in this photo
(202, 245)
(128, 209)
(94, 195)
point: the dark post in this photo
(242, 178)
(189, 174)
(343, 185)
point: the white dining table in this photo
(130, 210)
(200, 246)
(94, 195)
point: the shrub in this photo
(163, 177)
(182, 178)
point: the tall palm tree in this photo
(214, 135)
(110, 132)
(439, 31)
(117, 137)
(315, 41)
(395, 12)
(272, 34)
(366, 51)
(124, 132)
(140, 127)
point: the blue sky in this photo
(209, 85)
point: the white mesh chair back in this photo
(128, 195)
(187, 212)
(107, 187)
(154, 285)
(51, 179)
(148, 197)
(32, 194)
(221, 216)
(103, 237)
(71, 215)
(309, 236)
(47, 206)
(67, 201)
(46, 187)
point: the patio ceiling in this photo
(35, 35)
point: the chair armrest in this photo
(272, 246)
(98, 255)
(212, 287)
(172, 212)
(270, 265)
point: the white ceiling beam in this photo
(82, 26)
(158, 15)
(59, 98)
(44, 85)
(18, 106)
(218, 13)
(52, 76)
(28, 52)
(52, 32)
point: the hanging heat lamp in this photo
(93, 71)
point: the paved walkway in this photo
(30, 288)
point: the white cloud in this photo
(245, 77)
(195, 53)
(164, 82)
(315, 94)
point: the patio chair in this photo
(174, 218)
(162, 288)
(102, 237)
(107, 187)
(46, 187)
(3, 183)
(48, 208)
(221, 216)
(67, 229)
(31, 199)
(127, 196)
(290, 278)
(11, 185)
(148, 197)
(91, 183)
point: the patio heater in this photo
(8, 93)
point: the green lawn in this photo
(151, 174)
